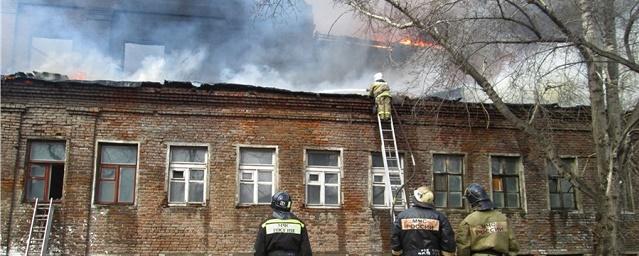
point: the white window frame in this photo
(254, 171)
(96, 169)
(321, 171)
(186, 168)
(520, 173)
(379, 171)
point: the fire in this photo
(416, 43)
(78, 75)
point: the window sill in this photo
(194, 205)
(322, 206)
(106, 206)
(251, 205)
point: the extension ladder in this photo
(40, 230)
(390, 155)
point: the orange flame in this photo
(78, 75)
(416, 43)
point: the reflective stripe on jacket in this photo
(283, 237)
(379, 89)
(422, 228)
(483, 231)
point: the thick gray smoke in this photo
(204, 41)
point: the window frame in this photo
(117, 166)
(376, 171)
(521, 181)
(558, 178)
(187, 167)
(322, 171)
(447, 174)
(254, 170)
(630, 196)
(48, 167)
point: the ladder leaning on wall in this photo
(390, 154)
(38, 241)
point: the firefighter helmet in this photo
(478, 198)
(281, 201)
(424, 194)
(378, 76)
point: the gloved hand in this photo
(397, 252)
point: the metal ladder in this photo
(390, 153)
(40, 230)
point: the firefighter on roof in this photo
(380, 90)
(485, 231)
(283, 234)
(421, 230)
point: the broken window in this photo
(561, 191)
(136, 54)
(46, 53)
(187, 175)
(323, 178)
(379, 183)
(256, 175)
(45, 170)
(116, 173)
(505, 179)
(447, 175)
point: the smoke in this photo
(225, 41)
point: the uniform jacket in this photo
(379, 89)
(283, 234)
(422, 227)
(486, 231)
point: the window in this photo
(45, 176)
(116, 173)
(187, 174)
(505, 174)
(627, 200)
(136, 54)
(379, 183)
(448, 182)
(256, 175)
(323, 178)
(562, 192)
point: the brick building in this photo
(172, 168)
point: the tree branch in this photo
(378, 17)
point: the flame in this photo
(416, 43)
(78, 75)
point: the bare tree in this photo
(542, 46)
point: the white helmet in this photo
(378, 76)
(424, 194)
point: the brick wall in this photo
(225, 117)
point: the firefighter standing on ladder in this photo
(380, 90)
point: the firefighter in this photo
(283, 233)
(485, 231)
(421, 230)
(380, 90)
